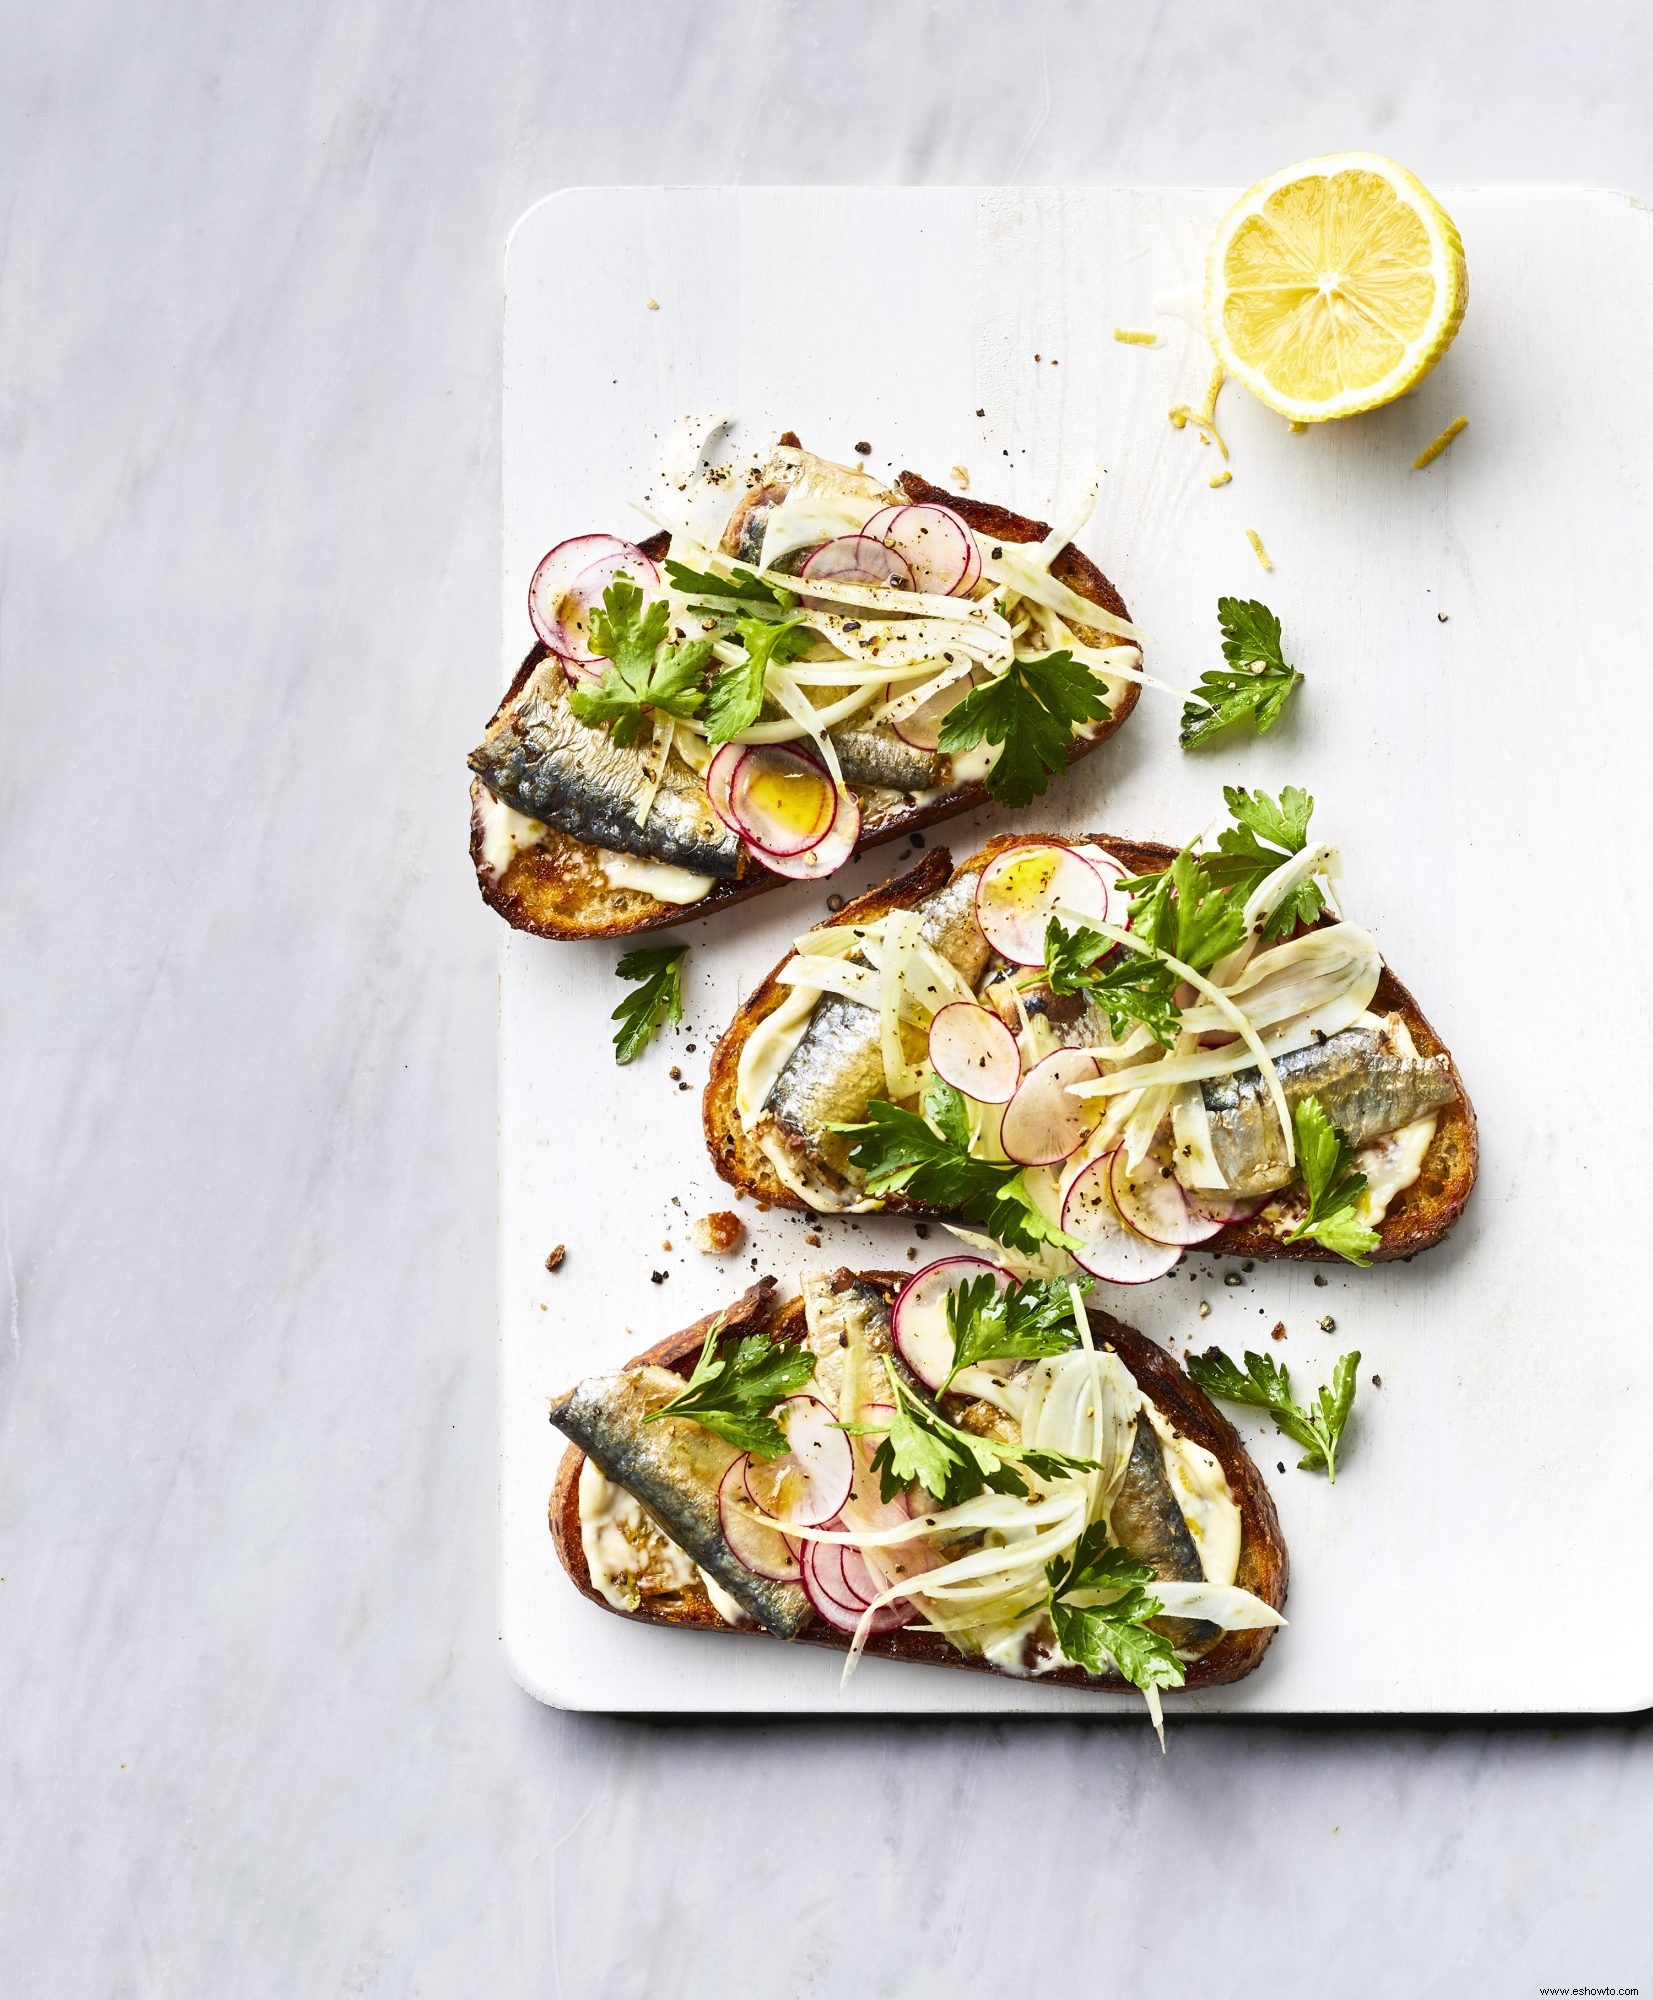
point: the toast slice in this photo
(1419, 1217)
(556, 889)
(1263, 1566)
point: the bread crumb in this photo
(667, 1244)
(812, 1238)
(554, 1261)
(1278, 1330)
(961, 477)
(715, 1235)
(654, 305)
(1328, 1324)
(1205, 1308)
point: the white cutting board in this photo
(1484, 1546)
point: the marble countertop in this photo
(256, 1737)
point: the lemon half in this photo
(1334, 286)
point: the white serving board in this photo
(1486, 777)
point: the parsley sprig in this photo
(1032, 710)
(749, 589)
(1267, 1386)
(1326, 1162)
(1016, 1322)
(1255, 685)
(659, 969)
(928, 1159)
(736, 698)
(1265, 833)
(1126, 987)
(733, 1390)
(643, 672)
(953, 1465)
(1114, 1631)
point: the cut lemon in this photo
(1334, 286)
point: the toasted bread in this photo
(1263, 1566)
(1416, 1219)
(556, 888)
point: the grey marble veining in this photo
(255, 1735)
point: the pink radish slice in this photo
(1111, 1248)
(720, 778)
(857, 559)
(1022, 888)
(1106, 865)
(782, 799)
(973, 1050)
(922, 729)
(812, 1479)
(1220, 1209)
(827, 1582)
(828, 854)
(1043, 1123)
(882, 519)
(765, 1551)
(937, 546)
(560, 604)
(918, 1320)
(1150, 1198)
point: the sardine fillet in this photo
(541, 759)
(673, 1468)
(1147, 1522)
(1364, 1086)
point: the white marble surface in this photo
(255, 1734)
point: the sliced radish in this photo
(1023, 887)
(782, 799)
(765, 1551)
(918, 1319)
(922, 728)
(973, 1050)
(938, 548)
(1150, 1198)
(1108, 866)
(839, 1586)
(720, 778)
(1110, 1247)
(570, 581)
(858, 559)
(828, 854)
(1219, 1209)
(812, 1479)
(1043, 1123)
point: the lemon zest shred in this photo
(1256, 542)
(1220, 478)
(1431, 452)
(1297, 427)
(1131, 336)
(1204, 419)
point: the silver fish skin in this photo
(1147, 1522)
(848, 1325)
(672, 1467)
(874, 755)
(1366, 1087)
(1071, 1019)
(837, 1067)
(541, 759)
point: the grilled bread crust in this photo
(1264, 1569)
(557, 890)
(1417, 1218)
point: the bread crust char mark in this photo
(556, 889)
(1264, 1567)
(1417, 1219)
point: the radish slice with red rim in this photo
(1043, 1123)
(1219, 1209)
(782, 799)
(720, 778)
(938, 548)
(918, 1319)
(922, 728)
(570, 581)
(1150, 1198)
(834, 1578)
(858, 559)
(1022, 887)
(811, 1480)
(765, 1551)
(973, 1050)
(828, 854)
(1109, 1247)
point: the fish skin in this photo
(837, 1067)
(1147, 1522)
(847, 1316)
(1366, 1087)
(1071, 1019)
(672, 1468)
(875, 755)
(540, 758)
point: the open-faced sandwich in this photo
(836, 663)
(955, 1468)
(1100, 1052)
